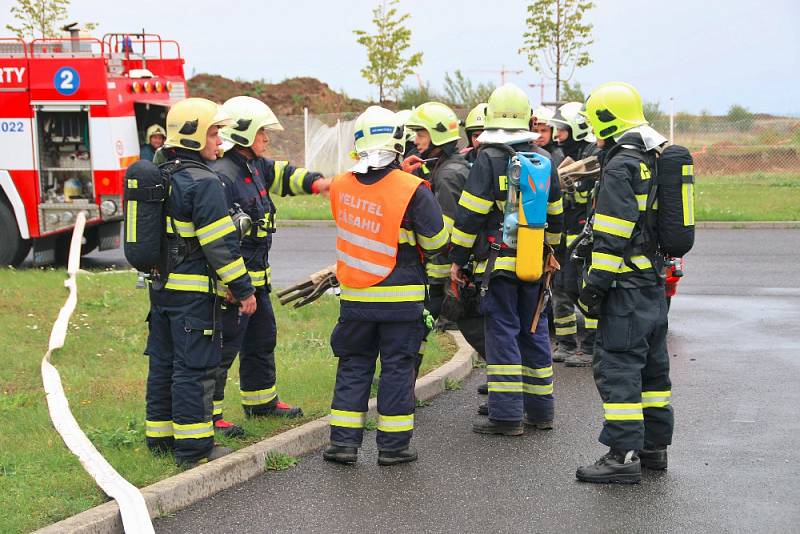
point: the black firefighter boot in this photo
(340, 454)
(228, 429)
(503, 428)
(386, 458)
(614, 467)
(215, 453)
(274, 408)
(654, 457)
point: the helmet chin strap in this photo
(246, 151)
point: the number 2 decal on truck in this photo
(67, 81)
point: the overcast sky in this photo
(706, 54)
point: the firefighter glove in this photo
(590, 299)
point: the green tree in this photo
(573, 93)
(652, 111)
(460, 92)
(40, 18)
(557, 37)
(411, 97)
(387, 65)
(741, 117)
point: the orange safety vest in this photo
(368, 219)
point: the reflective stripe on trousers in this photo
(259, 397)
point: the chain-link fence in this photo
(720, 146)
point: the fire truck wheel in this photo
(90, 242)
(13, 248)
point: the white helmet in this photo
(249, 116)
(377, 129)
(570, 115)
(543, 114)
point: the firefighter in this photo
(576, 141)
(473, 323)
(155, 137)
(519, 362)
(436, 134)
(184, 342)
(546, 140)
(249, 180)
(382, 215)
(624, 289)
(473, 128)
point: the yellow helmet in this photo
(249, 115)
(438, 120)
(377, 129)
(155, 129)
(508, 108)
(476, 118)
(402, 116)
(613, 108)
(188, 122)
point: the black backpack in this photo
(674, 192)
(669, 225)
(145, 199)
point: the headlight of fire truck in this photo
(108, 208)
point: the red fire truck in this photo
(73, 114)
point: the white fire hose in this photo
(135, 517)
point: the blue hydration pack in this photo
(529, 189)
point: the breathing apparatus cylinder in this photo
(530, 248)
(529, 185)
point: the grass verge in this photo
(103, 372)
(303, 208)
(739, 197)
(748, 197)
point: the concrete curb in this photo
(187, 488)
(749, 225)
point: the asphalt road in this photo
(297, 251)
(734, 345)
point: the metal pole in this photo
(672, 120)
(338, 146)
(305, 137)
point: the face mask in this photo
(376, 159)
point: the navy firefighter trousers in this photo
(631, 369)
(253, 337)
(519, 363)
(357, 344)
(184, 346)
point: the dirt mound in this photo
(286, 98)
